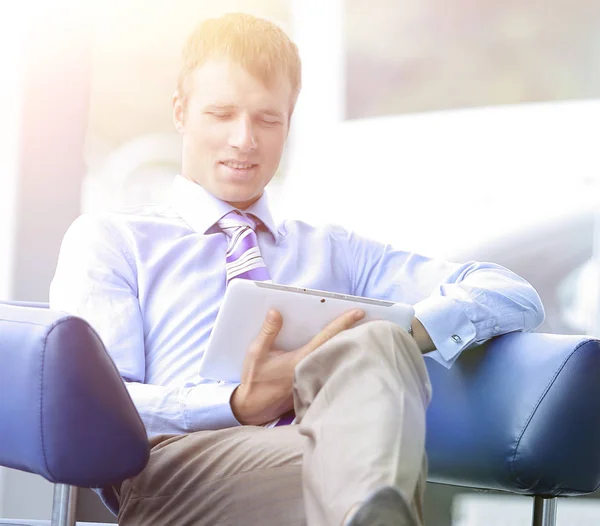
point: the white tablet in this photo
(305, 312)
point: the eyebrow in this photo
(220, 107)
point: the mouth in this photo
(238, 166)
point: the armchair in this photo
(518, 414)
(64, 413)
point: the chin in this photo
(239, 199)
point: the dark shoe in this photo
(385, 507)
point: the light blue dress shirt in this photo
(150, 280)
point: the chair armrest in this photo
(518, 414)
(65, 412)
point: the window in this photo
(423, 55)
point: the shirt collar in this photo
(201, 210)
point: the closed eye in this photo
(269, 120)
(222, 115)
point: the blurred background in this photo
(466, 130)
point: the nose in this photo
(242, 135)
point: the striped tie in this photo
(242, 259)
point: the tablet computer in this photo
(305, 313)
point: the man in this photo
(150, 280)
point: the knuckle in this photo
(325, 337)
(268, 329)
(255, 348)
(328, 334)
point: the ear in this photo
(178, 112)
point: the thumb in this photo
(268, 333)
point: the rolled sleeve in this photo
(448, 326)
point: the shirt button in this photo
(456, 338)
(496, 328)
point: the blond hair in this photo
(261, 47)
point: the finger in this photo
(263, 343)
(341, 323)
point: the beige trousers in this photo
(360, 401)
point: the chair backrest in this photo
(65, 412)
(520, 414)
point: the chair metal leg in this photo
(544, 511)
(64, 504)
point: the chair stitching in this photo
(44, 346)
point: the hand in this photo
(265, 391)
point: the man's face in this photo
(233, 129)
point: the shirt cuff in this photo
(217, 414)
(448, 326)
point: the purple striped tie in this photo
(243, 260)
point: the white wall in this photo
(40, 170)
(10, 109)
(431, 182)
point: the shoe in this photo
(384, 507)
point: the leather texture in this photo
(519, 414)
(65, 412)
